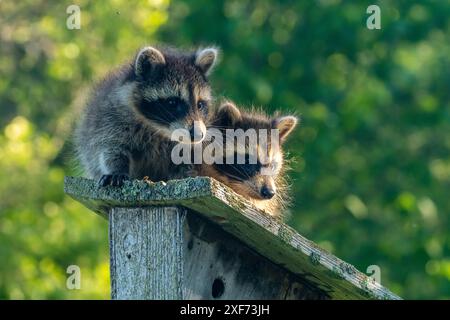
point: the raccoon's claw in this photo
(116, 180)
(147, 179)
(150, 182)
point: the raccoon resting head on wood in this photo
(263, 181)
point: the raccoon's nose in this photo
(197, 132)
(196, 136)
(267, 193)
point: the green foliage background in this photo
(372, 176)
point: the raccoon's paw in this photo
(113, 180)
(150, 182)
(147, 180)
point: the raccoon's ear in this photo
(205, 59)
(285, 125)
(227, 115)
(147, 59)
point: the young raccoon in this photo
(264, 181)
(126, 128)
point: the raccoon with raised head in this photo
(125, 131)
(264, 182)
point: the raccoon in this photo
(125, 131)
(263, 182)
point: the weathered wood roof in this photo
(274, 240)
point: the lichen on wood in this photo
(219, 204)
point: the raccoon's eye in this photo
(252, 169)
(201, 104)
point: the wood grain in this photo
(146, 252)
(220, 205)
(214, 256)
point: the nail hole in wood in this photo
(218, 288)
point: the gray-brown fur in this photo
(229, 116)
(117, 139)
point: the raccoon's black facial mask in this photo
(164, 111)
(238, 171)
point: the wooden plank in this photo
(220, 266)
(146, 252)
(268, 237)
